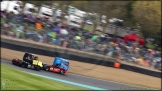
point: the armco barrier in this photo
(54, 51)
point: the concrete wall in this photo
(58, 49)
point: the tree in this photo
(81, 5)
(63, 5)
(94, 7)
(112, 9)
(148, 15)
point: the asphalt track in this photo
(109, 85)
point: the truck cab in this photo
(74, 21)
(27, 62)
(4, 5)
(14, 6)
(57, 15)
(59, 65)
(30, 9)
(46, 11)
(76, 17)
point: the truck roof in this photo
(4, 5)
(29, 5)
(63, 59)
(47, 10)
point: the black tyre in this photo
(22, 65)
(62, 72)
(32, 67)
(20, 61)
(47, 68)
(13, 62)
(37, 68)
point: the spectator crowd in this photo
(29, 26)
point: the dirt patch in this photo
(96, 71)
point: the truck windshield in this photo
(32, 10)
(21, 7)
(18, 8)
(47, 15)
(75, 22)
(15, 8)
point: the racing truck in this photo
(28, 62)
(59, 65)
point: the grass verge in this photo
(13, 79)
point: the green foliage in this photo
(148, 15)
(82, 5)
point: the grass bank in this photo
(13, 79)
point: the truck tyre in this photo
(32, 67)
(22, 65)
(12, 62)
(37, 68)
(28, 66)
(47, 68)
(62, 72)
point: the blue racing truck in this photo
(59, 65)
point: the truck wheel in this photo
(37, 68)
(29, 66)
(62, 72)
(47, 69)
(32, 67)
(22, 65)
(13, 62)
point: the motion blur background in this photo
(127, 30)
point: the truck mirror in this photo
(66, 63)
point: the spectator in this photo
(77, 38)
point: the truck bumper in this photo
(66, 72)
